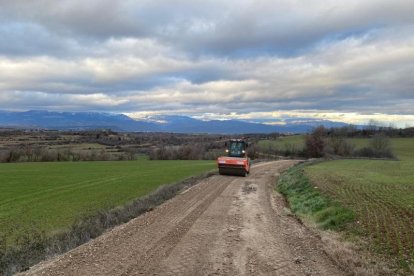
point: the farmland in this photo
(51, 196)
(380, 192)
(281, 143)
(18, 146)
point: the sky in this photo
(349, 61)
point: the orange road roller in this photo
(236, 162)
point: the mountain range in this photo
(160, 123)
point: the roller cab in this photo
(236, 161)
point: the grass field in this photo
(51, 196)
(381, 193)
(284, 142)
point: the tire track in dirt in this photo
(163, 247)
(222, 226)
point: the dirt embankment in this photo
(222, 226)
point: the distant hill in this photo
(72, 120)
(161, 123)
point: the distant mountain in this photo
(169, 123)
(72, 120)
(301, 121)
(161, 123)
(186, 124)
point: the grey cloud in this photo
(96, 18)
(27, 39)
(241, 28)
(205, 57)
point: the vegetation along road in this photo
(224, 225)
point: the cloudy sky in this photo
(349, 60)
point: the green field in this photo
(381, 193)
(51, 196)
(285, 142)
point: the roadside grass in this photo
(380, 193)
(51, 196)
(306, 201)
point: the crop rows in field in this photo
(383, 208)
(51, 196)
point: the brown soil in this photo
(224, 225)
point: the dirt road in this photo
(224, 225)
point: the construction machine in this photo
(236, 162)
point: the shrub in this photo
(379, 147)
(338, 145)
(314, 142)
(252, 151)
(184, 152)
(25, 153)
